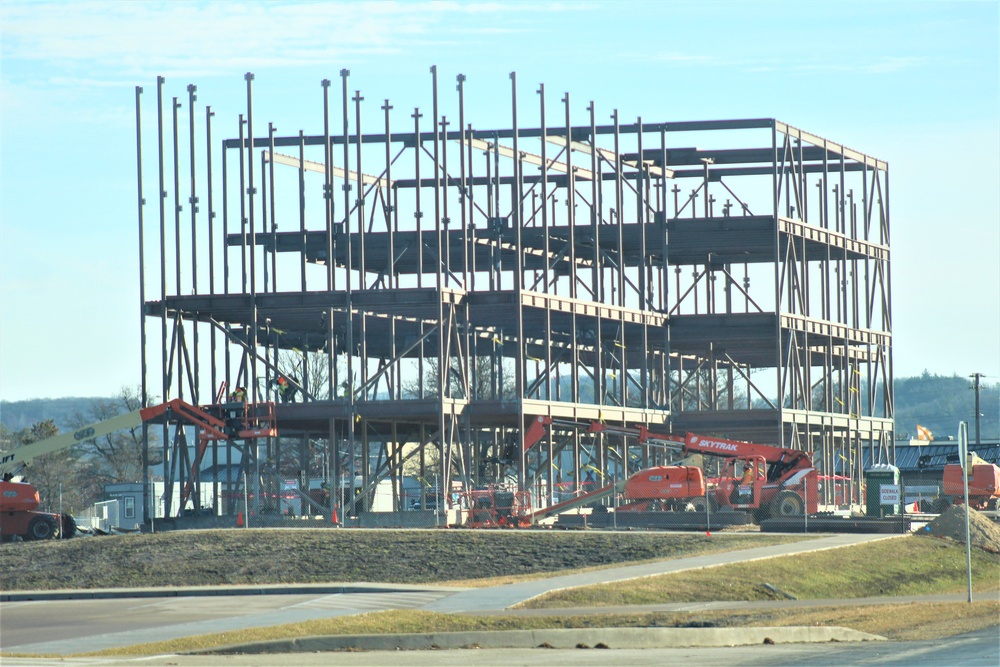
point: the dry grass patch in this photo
(277, 556)
(908, 565)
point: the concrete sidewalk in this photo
(482, 600)
(559, 638)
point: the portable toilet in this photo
(883, 495)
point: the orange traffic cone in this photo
(333, 516)
(239, 519)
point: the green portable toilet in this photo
(883, 492)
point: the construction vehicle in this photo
(19, 500)
(664, 488)
(496, 506)
(780, 481)
(984, 484)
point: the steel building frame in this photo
(553, 270)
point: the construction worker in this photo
(239, 395)
(286, 390)
(743, 490)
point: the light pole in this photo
(976, 387)
(963, 453)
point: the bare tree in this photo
(310, 370)
(116, 457)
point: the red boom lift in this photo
(19, 501)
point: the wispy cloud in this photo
(130, 40)
(806, 64)
(885, 65)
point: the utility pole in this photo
(976, 387)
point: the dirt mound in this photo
(983, 533)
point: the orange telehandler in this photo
(19, 501)
(780, 482)
(983, 480)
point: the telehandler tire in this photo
(787, 503)
(41, 528)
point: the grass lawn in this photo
(908, 565)
(276, 556)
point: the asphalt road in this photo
(977, 649)
(75, 626)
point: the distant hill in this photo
(16, 415)
(933, 401)
(940, 403)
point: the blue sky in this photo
(913, 83)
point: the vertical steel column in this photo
(144, 401)
(225, 267)
(344, 74)
(251, 191)
(522, 348)
(445, 236)
(645, 300)
(600, 295)
(570, 206)
(274, 220)
(328, 197)
(213, 379)
(391, 216)
(437, 189)
(549, 264)
(595, 211)
(549, 269)
(444, 364)
(243, 205)
(417, 213)
(359, 202)
(470, 224)
(777, 286)
(213, 340)
(177, 213)
(619, 166)
(302, 223)
(888, 398)
(193, 203)
(666, 395)
(465, 210)
(331, 248)
(163, 279)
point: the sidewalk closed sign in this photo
(889, 494)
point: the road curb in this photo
(555, 638)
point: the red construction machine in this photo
(496, 506)
(664, 488)
(761, 479)
(984, 484)
(19, 501)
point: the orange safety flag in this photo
(924, 433)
